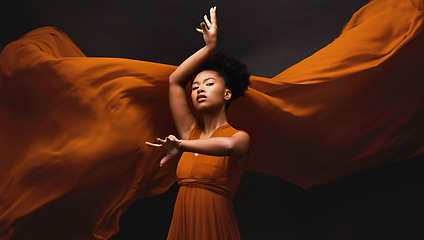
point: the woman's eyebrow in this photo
(204, 80)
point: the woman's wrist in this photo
(180, 145)
(210, 48)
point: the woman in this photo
(210, 168)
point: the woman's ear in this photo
(228, 94)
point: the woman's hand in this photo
(170, 145)
(209, 29)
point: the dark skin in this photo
(209, 96)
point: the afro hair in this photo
(233, 71)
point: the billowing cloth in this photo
(72, 128)
(204, 206)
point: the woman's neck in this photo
(213, 121)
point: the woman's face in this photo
(209, 92)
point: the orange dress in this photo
(204, 206)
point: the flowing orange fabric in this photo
(72, 128)
(208, 184)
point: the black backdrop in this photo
(383, 202)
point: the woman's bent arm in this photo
(236, 146)
(180, 109)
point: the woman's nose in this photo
(200, 89)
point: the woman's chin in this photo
(201, 109)
(205, 109)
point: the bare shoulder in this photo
(242, 135)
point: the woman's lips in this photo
(201, 98)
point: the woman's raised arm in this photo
(180, 109)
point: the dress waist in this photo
(225, 190)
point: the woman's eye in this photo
(195, 88)
(209, 84)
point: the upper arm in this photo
(241, 144)
(183, 117)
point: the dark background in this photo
(384, 202)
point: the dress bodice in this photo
(217, 173)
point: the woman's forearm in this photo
(183, 73)
(217, 146)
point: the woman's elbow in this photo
(236, 149)
(230, 148)
(239, 147)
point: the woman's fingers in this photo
(170, 138)
(207, 21)
(173, 138)
(153, 145)
(203, 26)
(169, 145)
(164, 159)
(213, 15)
(208, 24)
(172, 153)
